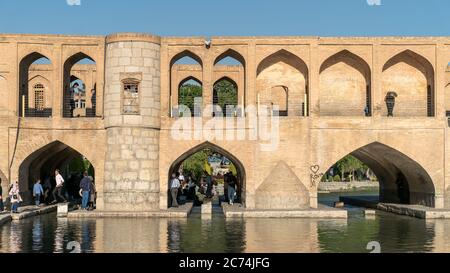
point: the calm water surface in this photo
(394, 233)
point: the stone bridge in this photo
(330, 93)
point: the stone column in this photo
(132, 156)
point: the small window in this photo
(130, 97)
(39, 97)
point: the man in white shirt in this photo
(181, 178)
(174, 186)
(59, 187)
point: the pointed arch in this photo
(402, 179)
(230, 53)
(185, 53)
(224, 102)
(187, 79)
(39, 77)
(68, 97)
(287, 70)
(208, 145)
(43, 161)
(411, 76)
(188, 99)
(345, 85)
(24, 92)
(287, 57)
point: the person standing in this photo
(231, 188)
(57, 191)
(174, 186)
(85, 186)
(209, 185)
(38, 191)
(2, 207)
(14, 194)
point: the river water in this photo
(394, 233)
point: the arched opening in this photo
(225, 97)
(190, 91)
(345, 86)
(39, 97)
(42, 164)
(204, 161)
(186, 70)
(78, 91)
(281, 77)
(229, 88)
(401, 179)
(79, 98)
(30, 67)
(411, 77)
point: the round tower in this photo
(132, 120)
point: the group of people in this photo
(197, 191)
(41, 192)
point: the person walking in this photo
(2, 207)
(57, 191)
(15, 197)
(174, 186)
(38, 191)
(85, 187)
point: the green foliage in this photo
(187, 94)
(226, 93)
(194, 165)
(337, 178)
(80, 164)
(349, 165)
(233, 169)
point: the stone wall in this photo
(132, 178)
(346, 186)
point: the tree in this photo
(194, 164)
(349, 165)
(187, 94)
(226, 94)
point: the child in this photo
(38, 191)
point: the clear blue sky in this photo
(228, 17)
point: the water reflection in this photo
(216, 235)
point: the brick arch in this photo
(185, 110)
(42, 160)
(185, 53)
(286, 56)
(67, 79)
(345, 85)
(189, 78)
(216, 96)
(230, 53)
(39, 79)
(412, 77)
(216, 148)
(286, 69)
(24, 67)
(402, 179)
